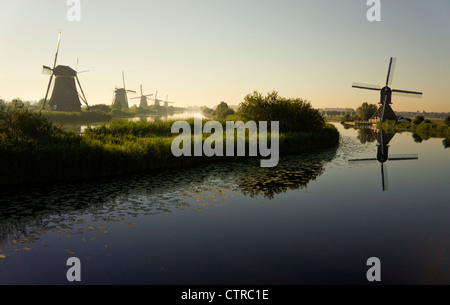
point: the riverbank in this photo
(440, 130)
(33, 150)
(95, 116)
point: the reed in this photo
(34, 150)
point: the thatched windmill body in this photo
(65, 96)
(120, 95)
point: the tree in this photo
(367, 111)
(294, 114)
(447, 121)
(17, 102)
(207, 111)
(116, 106)
(223, 110)
(365, 135)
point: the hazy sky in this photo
(201, 52)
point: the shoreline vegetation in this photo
(421, 128)
(439, 128)
(34, 150)
(98, 116)
(427, 128)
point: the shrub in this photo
(293, 114)
(223, 110)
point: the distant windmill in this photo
(120, 96)
(65, 96)
(143, 103)
(385, 111)
(166, 103)
(383, 140)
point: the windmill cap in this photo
(64, 71)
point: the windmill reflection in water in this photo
(383, 138)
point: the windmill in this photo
(166, 103)
(143, 98)
(385, 111)
(120, 94)
(65, 96)
(157, 104)
(383, 140)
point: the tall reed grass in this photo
(33, 150)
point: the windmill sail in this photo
(385, 111)
(65, 96)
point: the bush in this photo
(294, 115)
(367, 111)
(207, 111)
(419, 119)
(223, 110)
(349, 118)
(21, 127)
(33, 150)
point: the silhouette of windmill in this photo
(65, 96)
(385, 111)
(383, 140)
(157, 102)
(143, 103)
(166, 103)
(120, 95)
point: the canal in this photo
(315, 219)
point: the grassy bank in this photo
(33, 150)
(84, 117)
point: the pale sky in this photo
(201, 52)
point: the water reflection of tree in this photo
(417, 138)
(25, 215)
(446, 143)
(294, 172)
(365, 135)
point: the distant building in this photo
(337, 111)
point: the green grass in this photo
(33, 150)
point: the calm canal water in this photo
(315, 219)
